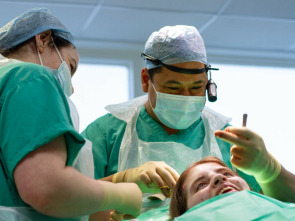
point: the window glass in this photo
(266, 95)
(96, 86)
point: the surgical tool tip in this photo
(245, 120)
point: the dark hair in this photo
(59, 42)
(178, 204)
(153, 71)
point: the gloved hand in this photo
(125, 198)
(249, 154)
(151, 177)
(115, 216)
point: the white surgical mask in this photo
(62, 74)
(178, 111)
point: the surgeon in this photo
(209, 190)
(151, 139)
(38, 141)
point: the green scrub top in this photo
(33, 112)
(106, 134)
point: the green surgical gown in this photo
(33, 112)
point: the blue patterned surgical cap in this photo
(29, 24)
(175, 44)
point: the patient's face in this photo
(211, 179)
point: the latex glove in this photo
(151, 177)
(125, 198)
(249, 154)
(115, 216)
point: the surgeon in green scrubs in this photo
(151, 139)
(38, 141)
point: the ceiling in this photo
(253, 31)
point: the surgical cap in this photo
(176, 44)
(29, 24)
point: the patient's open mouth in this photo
(227, 189)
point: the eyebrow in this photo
(177, 82)
(224, 169)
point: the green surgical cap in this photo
(29, 24)
(175, 44)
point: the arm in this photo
(149, 177)
(106, 142)
(250, 155)
(52, 188)
(282, 188)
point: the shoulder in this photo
(24, 66)
(104, 124)
(107, 119)
(25, 70)
(21, 75)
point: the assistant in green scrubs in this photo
(26, 91)
(45, 171)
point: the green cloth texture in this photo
(243, 206)
(33, 112)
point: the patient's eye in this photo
(228, 174)
(200, 186)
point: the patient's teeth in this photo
(225, 189)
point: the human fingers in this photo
(170, 170)
(173, 173)
(242, 132)
(238, 152)
(231, 138)
(161, 185)
(146, 180)
(167, 177)
(115, 216)
(236, 161)
(241, 159)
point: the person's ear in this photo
(42, 40)
(145, 80)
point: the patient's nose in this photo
(219, 178)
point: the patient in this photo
(211, 178)
(203, 180)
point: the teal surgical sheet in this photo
(243, 206)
